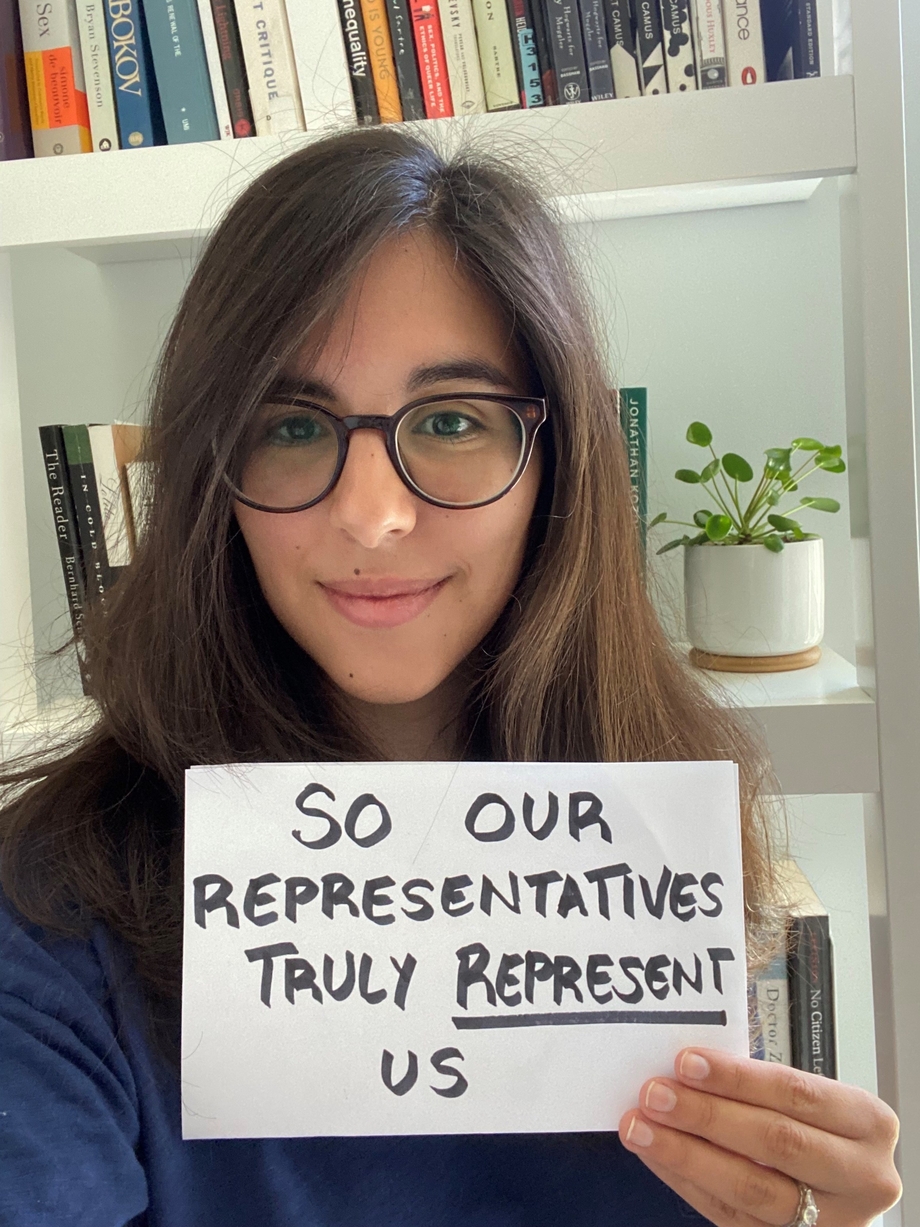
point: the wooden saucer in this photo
(755, 664)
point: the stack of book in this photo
(96, 75)
(794, 996)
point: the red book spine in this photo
(429, 47)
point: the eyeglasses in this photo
(457, 450)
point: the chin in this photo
(388, 687)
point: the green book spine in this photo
(633, 403)
(181, 69)
(87, 510)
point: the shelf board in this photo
(668, 153)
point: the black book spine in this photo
(563, 28)
(65, 524)
(359, 62)
(811, 996)
(410, 86)
(524, 46)
(650, 46)
(87, 511)
(544, 58)
(806, 55)
(233, 67)
(597, 49)
(15, 121)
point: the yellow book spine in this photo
(383, 66)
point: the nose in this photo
(370, 501)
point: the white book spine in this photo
(709, 34)
(269, 57)
(215, 72)
(496, 54)
(111, 499)
(744, 42)
(322, 67)
(773, 1012)
(462, 55)
(678, 46)
(100, 97)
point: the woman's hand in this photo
(732, 1136)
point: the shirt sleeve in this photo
(69, 1118)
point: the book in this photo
(359, 62)
(15, 124)
(709, 37)
(622, 39)
(806, 52)
(383, 65)
(810, 976)
(790, 37)
(410, 85)
(462, 55)
(181, 68)
(58, 110)
(544, 59)
(597, 49)
(65, 524)
(268, 54)
(650, 47)
(112, 447)
(563, 28)
(432, 65)
(233, 68)
(87, 511)
(137, 104)
(496, 55)
(97, 75)
(526, 58)
(215, 72)
(772, 999)
(744, 53)
(632, 405)
(679, 60)
(322, 61)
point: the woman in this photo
(366, 542)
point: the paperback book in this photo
(54, 78)
(790, 36)
(432, 65)
(650, 47)
(679, 60)
(744, 42)
(233, 68)
(137, 103)
(811, 978)
(709, 37)
(383, 66)
(15, 124)
(563, 22)
(496, 54)
(97, 75)
(622, 39)
(274, 93)
(181, 68)
(410, 86)
(65, 524)
(215, 71)
(632, 406)
(462, 56)
(597, 50)
(526, 53)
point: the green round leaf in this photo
(807, 445)
(659, 519)
(779, 453)
(710, 470)
(701, 518)
(774, 543)
(784, 525)
(830, 464)
(699, 434)
(737, 467)
(718, 527)
(836, 450)
(821, 504)
(688, 475)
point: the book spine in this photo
(597, 49)
(744, 52)
(65, 525)
(806, 54)
(322, 61)
(181, 70)
(679, 61)
(526, 61)
(383, 65)
(650, 47)
(359, 62)
(709, 35)
(811, 996)
(54, 77)
(622, 39)
(115, 527)
(87, 511)
(544, 58)
(432, 65)
(140, 122)
(410, 86)
(772, 992)
(15, 125)
(496, 55)
(215, 72)
(460, 50)
(274, 94)
(97, 73)
(633, 412)
(233, 67)
(564, 31)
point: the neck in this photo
(428, 729)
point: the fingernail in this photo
(639, 1133)
(660, 1098)
(692, 1065)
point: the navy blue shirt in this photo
(90, 1134)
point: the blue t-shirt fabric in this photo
(90, 1133)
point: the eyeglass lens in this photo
(466, 451)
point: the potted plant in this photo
(753, 578)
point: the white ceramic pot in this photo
(744, 600)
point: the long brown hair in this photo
(188, 664)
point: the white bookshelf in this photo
(94, 228)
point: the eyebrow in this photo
(452, 370)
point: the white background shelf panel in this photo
(752, 139)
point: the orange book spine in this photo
(432, 61)
(383, 66)
(54, 78)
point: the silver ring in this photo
(807, 1213)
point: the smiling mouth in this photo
(379, 604)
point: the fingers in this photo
(846, 1111)
(711, 1205)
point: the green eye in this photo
(446, 425)
(295, 431)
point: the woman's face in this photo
(387, 593)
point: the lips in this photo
(378, 603)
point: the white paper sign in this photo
(399, 948)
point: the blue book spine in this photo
(181, 68)
(140, 122)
